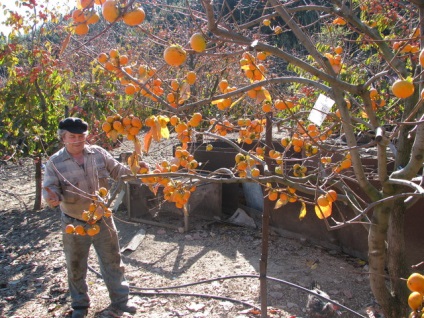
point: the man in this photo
(72, 175)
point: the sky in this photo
(63, 5)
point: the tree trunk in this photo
(392, 304)
(38, 184)
(377, 255)
(396, 258)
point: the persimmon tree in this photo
(206, 69)
(353, 53)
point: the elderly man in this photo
(72, 175)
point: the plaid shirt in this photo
(74, 184)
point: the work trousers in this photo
(106, 245)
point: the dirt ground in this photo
(210, 271)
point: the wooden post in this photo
(263, 263)
(38, 184)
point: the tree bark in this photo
(383, 244)
(377, 256)
(396, 257)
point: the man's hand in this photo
(52, 198)
(143, 165)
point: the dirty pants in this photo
(106, 245)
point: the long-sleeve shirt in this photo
(75, 184)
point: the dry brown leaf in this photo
(133, 163)
(65, 44)
(137, 146)
(147, 141)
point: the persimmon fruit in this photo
(175, 85)
(415, 300)
(86, 215)
(117, 125)
(261, 56)
(255, 172)
(273, 195)
(181, 127)
(338, 50)
(133, 131)
(134, 17)
(78, 16)
(103, 192)
(170, 97)
(130, 89)
(283, 104)
(92, 18)
(191, 77)
(109, 66)
(197, 117)
(345, 164)
(331, 196)
(81, 29)
(323, 211)
(136, 122)
(69, 229)
(402, 88)
(339, 21)
(93, 230)
(123, 60)
(421, 58)
(223, 85)
(110, 11)
(266, 107)
(86, 3)
(114, 54)
(278, 30)
(415, 282)
(174, 55)
(106, 127)
(79, 230)
(323, 201)
(198, 42)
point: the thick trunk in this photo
(377, 256)
(396, 258)
(392, 302)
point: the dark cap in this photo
(73, 125)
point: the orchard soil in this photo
(33, 273)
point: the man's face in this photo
(74, 143)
